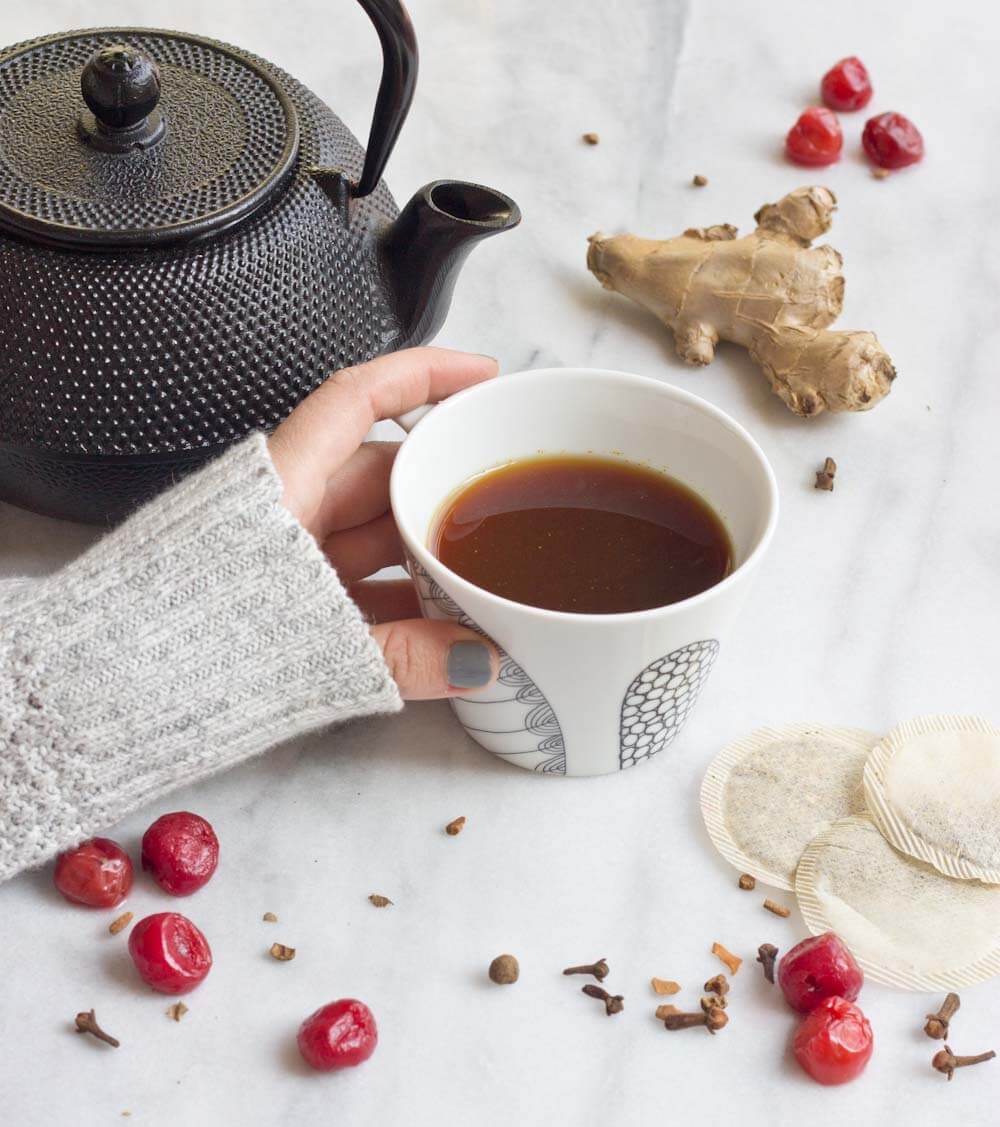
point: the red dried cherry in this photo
(181, 852)
(834, 1042)
(339, 1035)
(817, 968)
(97, 873)
(170, 953)
(815, 139)
(892, 141)
(846, 85)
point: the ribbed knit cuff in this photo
(205, 629)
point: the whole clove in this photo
(825, 476)
(767, 955)
(712, 1019)
(937, 1024)
(613, 1003)
(777, 909)
(86, 1022)
(945, 1061)
(747, 882)
(600, 970)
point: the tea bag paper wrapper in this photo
(906, 924)
(933, 789)
(766, 796)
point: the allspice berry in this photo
(504, 970)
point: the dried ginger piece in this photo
(777, 909)
(120, 923)
(733, 962)
(665, 986)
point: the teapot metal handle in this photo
(395, 92)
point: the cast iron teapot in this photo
(190, 242)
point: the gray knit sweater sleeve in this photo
(205, 629)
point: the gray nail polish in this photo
(468, 665)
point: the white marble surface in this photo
(878, 602)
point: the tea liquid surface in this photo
(583, 534)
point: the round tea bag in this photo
(905, 923)
(766, 796)
(933, 788)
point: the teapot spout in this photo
(424, 247)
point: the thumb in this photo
(436, 659)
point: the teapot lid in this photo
(125, 136)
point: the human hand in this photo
(337, 486)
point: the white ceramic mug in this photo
(584, 694)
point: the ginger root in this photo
(770, 292)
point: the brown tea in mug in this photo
(583, 534)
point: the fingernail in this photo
(486, 356)
(469, 665)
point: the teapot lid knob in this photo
(121, 86)
(101, 146)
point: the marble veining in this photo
(878, 602)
